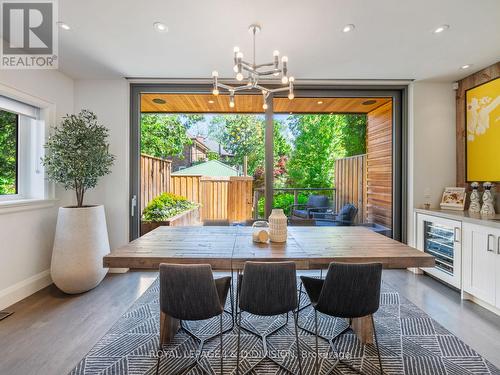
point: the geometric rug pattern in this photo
(410, 343)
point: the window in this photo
(8, 153)
(21, 150)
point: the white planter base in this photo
(80, 243)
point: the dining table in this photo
(227, 248)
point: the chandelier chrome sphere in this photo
(254, 72)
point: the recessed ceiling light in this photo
(160, 27)
(347, 28)
(441, 28)
(63, 25)
(466, 66)
(159, 101)
(320, 102)
(369, 102)
(211, 102)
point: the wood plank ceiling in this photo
(207, 103)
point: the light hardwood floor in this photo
(50, 331)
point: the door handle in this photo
(456, 237)
(489, 242)
(133, 205)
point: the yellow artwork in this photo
(483, 132)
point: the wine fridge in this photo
(441, 238)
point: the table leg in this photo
(168, 328)
(363, 328)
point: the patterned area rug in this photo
(410, 342)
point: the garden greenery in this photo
(165, 206)
(77, 153)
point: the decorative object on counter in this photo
(427, 206)
(453, 198)
(260, 231)
(277, 225)
(427, 197)
(483, 132)
(475, 199)
(488, 207)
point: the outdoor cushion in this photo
(300, 213)
(317, 201)
(347, 213)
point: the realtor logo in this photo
(29, 34)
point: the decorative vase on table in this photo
(475, 205)
(488, 207)
(76, 155)
(278, 226)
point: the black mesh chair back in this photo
(189, 292)
(351, 290)
(268, 288)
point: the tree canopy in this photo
(8, 151)
(319, 141)
(164, 135)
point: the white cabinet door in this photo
(480, 261)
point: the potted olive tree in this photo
(76, 156)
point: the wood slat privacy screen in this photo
(379, 165)
(155, 178)
(221, 198)
(350, 184)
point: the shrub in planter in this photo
(76, 156)
(166, 210)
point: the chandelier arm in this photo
(265, 73)
(263, 65)
(232, 88)
(280, 89)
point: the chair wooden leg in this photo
(221, 347)
(168, 328)
(363, 327)
(378, 347)
(317, 345)
(238, 344)
(299, 357)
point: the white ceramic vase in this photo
(277, 226)
(80, 243)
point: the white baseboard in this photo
(23, 289)
(118, 270)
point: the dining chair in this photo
(190, 292)
(267, 289)
(348, 291)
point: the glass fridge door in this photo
(439, 242)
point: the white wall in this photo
(26, 236)
(432, 163)
(109, 100)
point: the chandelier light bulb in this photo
(235, 69)
(264, 106)
(236, 49)
(284, 80)
(215, 92)
(239, 55)
(291, 79)
(284, 59)
(239, 77)
(291, 96)
(231, 104)
(276, 53)
(215, 73)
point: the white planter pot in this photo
(80, 243)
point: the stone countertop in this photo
(464, 216)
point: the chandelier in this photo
(254, 72)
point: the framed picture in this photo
(482, 118)
(453, 198)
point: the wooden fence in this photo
(155, 178)
(221, 198)
(350, 184)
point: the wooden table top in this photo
(226, 248)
